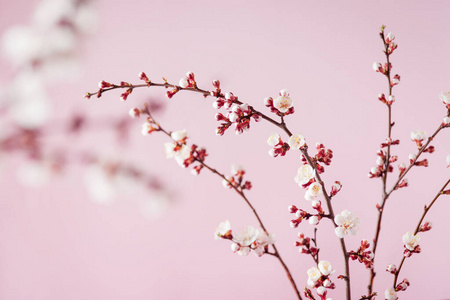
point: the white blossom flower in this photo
(391, 268)
(325, 267)
(380, 161)
(376, 66)
(418, 135)
(283, 103)
(274, 139)
(411, 241)
(390, 37)
(178, 135)
(321, 290)
(446, 121)
(296, 141)
(233, 117)
(390, 294)
(180, 155)
(445, 97)
(222, 230)
(314, 274)
(304, 174)
(412, 156)
(313, 220)
(245, 238)
(262, 241)
(236, 169)
(184, 83)
(314, 190)
(327, 283)
(347, 224)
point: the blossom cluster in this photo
(319, 278)
(237, 179)
(363, 254)
(248, 240)
(306, 247)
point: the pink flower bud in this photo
(389, 37)
(391, 100)
(378, 67)
(216, 84)
(335, 188)
(134, 113)
(446, 121)
(426, 226)
(144, 77)
(103, 84)
(391, 269)
(382, 98)
(183, 83)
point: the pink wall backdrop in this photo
(58, 244)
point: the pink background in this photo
(57, 244)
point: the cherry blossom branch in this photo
(241, 193)
(387, 161)
(192, 86)
(418, 228)
(389, 47)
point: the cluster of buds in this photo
(390, 100)
(218, 92)
(363, 254)
(250, 239)
(411, 244)
(389, 142)
(445, 98)
(223, 100)
(282, 105)
(240, 116)
(403, 183)
(381, 164)
(301, 215)
(237, 180)
(413, 160)
(323, 156)
(188, 81)
(184, 155)
(418, 137)
(306, 248)
(280, 148)
(318, 278)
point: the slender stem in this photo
(241, 193)
(386, 167)
(427, 208)
(282, 126)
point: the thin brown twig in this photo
(427, 208)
